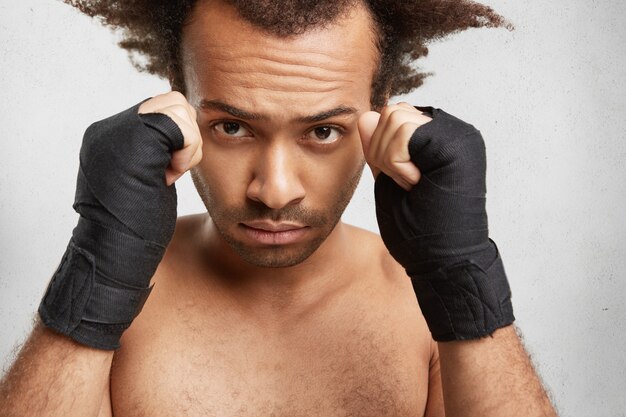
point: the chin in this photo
(275, 256)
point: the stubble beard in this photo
(276, 256)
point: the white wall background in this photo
(549, 99)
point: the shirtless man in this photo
(270, 306)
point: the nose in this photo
(276, 182)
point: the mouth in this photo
(274, 233)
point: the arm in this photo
(430, 206)
(492, 376)
(55, 376)
(453, 385)
(127, 205)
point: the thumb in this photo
(368, 122)
(367, 125)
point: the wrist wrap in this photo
(127, 218)
(438, 232)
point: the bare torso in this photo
(364, 350)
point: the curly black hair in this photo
(152, 30)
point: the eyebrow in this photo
(337, 111)
(233, 111)
(244, 114)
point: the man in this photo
(271, 305)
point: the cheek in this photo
(351, 155)
(225, 173)
(330, 174)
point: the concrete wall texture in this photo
(549, 99)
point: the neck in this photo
(281, 291)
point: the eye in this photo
(325, 134)
(232, 129)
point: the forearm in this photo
(55, 376)
(127, 218)
(491, 376)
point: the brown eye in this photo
(231, 129)
(324, 134)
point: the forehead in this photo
(221, 51)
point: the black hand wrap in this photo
(127, 218)
(438, 232)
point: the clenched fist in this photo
(430, 206)
(127, 204)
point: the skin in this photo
(297, 160)
(259, 322)
(281, 166)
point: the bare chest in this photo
(336, 369)
(362, 350)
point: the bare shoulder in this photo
(184, 241)
(373, 252)
(385, 279)
(190, 220)
(187, 228)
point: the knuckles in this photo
(406, 130)
(395, 118)
(399, 114)
(177, 95)
(171, 98)
(390, 114)
(397, 124)
(389, 159)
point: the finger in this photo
(182, 111)
(196, 158)
(376, 147)
(397, 158)
(182, 158)
(189, 129)
(172, 175)
(174, 102)
(392, 139)
(406, 106)
(393, 156)
(190, 112)
(421, 117)
(402, 183)
(407, 172)
(391, 120)
(161, 101)
(367, 124)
